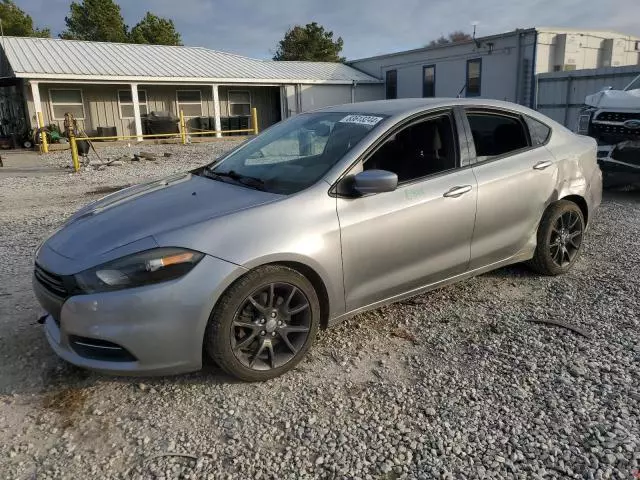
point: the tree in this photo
(310, 43)
(95, 20)
(17, 23)
(156, 31)
(454, 37)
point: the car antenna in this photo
(461, 90)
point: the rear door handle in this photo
(542, 165)
(457, 191)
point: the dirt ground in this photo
(457, 383)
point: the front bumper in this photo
(623, 158)
(159, 328)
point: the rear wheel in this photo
(560, 237)
(264, 324)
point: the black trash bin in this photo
(107, 132)
(224, 125)
(162, 122)
(244, 124)
(205, 124)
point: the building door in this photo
(13, 117)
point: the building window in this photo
(391, 82)
(66, 100)
(429, 81)
(474, 77)
(190, 102)
(239, 103)
(125, 103)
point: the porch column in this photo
(37, 105)
(353, 91)
(136, 110)
(216, 110)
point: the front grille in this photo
(617, 116)
(97, 349)
(612, 134)
(52, 282)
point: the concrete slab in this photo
(25, 163)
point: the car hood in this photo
(149, 209)
(623, 99)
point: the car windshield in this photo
(295, 154)
(634, 85)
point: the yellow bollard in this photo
(254, 120)
(183, 128)
(74, 151)
(44, 146)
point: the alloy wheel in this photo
(271, 326)
(566, 237)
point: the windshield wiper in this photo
(252, 182)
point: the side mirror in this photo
(375, 181)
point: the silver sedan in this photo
(323, 216)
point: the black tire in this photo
(559, 246)
(237, 307)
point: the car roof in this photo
(406, 106)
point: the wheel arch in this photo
(581, 203)
(318, 284)
(304, 269)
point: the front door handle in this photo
(542, 165)
(457, 191)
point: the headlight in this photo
(584, 118)
(144, 268)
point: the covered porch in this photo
(100, 107)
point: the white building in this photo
(115, 86)
(498, 66)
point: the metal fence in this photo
(560, 95)
(183, 134)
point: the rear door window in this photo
(538, 131)
(496, 134)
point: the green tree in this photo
(155, 31)
(454, 37)
(95, 20)
(311, 43)
(17, 23)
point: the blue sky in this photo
(368, 27)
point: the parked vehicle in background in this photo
(320, 217)
(612, 117)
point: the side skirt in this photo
(519, 257)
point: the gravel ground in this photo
(457, 383)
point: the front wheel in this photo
(560, 237)
(264, 324)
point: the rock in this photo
(577, 370)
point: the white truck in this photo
(612, 117)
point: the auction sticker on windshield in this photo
(361, 119)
